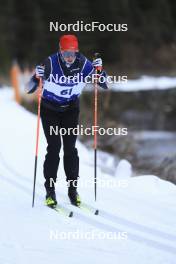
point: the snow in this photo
(143, 209)
(145, 83)
(124, 169)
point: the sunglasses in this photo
(67, 54)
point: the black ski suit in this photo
(63, 116)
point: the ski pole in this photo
(96, 55)
(37, 138)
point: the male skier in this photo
(60, 107)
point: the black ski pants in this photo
(66, 119)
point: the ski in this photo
(69, 213)
(88, 208)
(62, 210)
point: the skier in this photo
(60, 107)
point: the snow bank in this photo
(123, 170)
(145, 83)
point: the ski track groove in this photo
(133, 237)
(137, 226)
(112, 218)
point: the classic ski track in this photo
(26, 180)
(137, 238)
(13, 171)
(138, 227)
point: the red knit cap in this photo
(68, 42)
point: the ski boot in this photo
(74, 196)
(51, 199)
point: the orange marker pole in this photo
(37, 138)
(14, 75)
